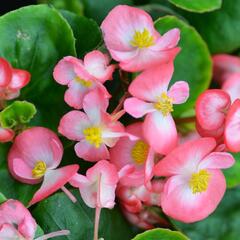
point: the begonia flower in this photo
(81, 77)
(12, 80)
(16, 222)
(34, 158)
(94, 130)
(151, 97)
(132, 40)
(232, 86)
(6, 135)
(225, 65)
(136, 153)
(195, 184)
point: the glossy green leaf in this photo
(98, 10)
(39, 232)
(193, 64)
(17, 114)
(74, 6)
(221, 28)
(2, 198)
(160, 234)
(9, 187)
(58, 212)
(223, 224)
(197, 6)
(86, 32)
(232, 174)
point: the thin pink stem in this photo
(69, 194)
(118, 115)
(120, 104)
(96, 225)
(54, 234)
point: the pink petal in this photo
(20, 78)
(232, 86)
(5, 72)
(217, 160)
(179, 92)
(232, 127)
(151, 83)
(53, 181)
(149, 166)
(90, 153)
(211, 107)
(97, 64)
(223, 65)
(36, 144)
(185, 158)
(64, 71)
(79, 181)
(94, 103)
(149, 58)
(6, 135)
(137, 108)
(23, 172)
(8, 232)
(169, 40)
(72, 125)
(180, 203)
(160, 132)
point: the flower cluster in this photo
(147, 164)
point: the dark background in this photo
(9, 5)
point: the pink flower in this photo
(98, 187)
(152, 97)
(6, 135)
(83, 76)
(131, 39)
(34, 157)
(16, 221)
(95, 129)
(136, 153)
(195, 185)
(231, 85)
(12, 80)
(225, 65)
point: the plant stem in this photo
(53, 234)
(69, 194)
(96, 224)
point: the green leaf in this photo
(74, 6)
(193, 63)
(232, 174)
(17, 114)
(221, 28)
(223, 224)
(197, 6)
(39, 232)
(2, 198)
(160, 234)
(86, 31)
(58, 212)
(10, 187)
(98, 10)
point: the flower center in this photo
(142, 39)
(139, 152)
(199, 181)
(83, 82)
(164, 104)
(93, 135)
(39, 169)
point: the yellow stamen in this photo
(199, 181)
(93, 135)
(39, 169)
(164, 104)
(85, 83)
(139, 152)
(142, 39)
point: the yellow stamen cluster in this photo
(93, 135)
(142, 39)
(139, 152)
(84, 83)
(199, 181)
(39, 169)
(164, 104)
